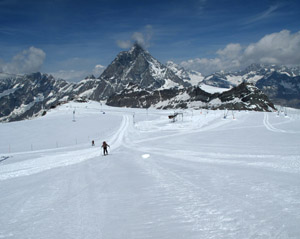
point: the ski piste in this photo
(200, 177)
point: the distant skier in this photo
(93, 143)
(104, 146)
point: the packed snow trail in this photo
(203, 177)
(270, 126)
(117, 139)
(53, 160)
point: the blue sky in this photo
(71, 39)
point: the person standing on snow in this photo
(104, 146)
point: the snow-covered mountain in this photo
(251, 74)
(242, 97)
(189, 76)
(33, 94)
(137, 66)
(280, 83)
(24, 97)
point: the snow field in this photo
(202, 176)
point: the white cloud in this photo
(124, 44)
(278, 48)
(78, 75)
(27, 61)
(70, 75)
(98, 69)
(138, 37)
(143, 38)
(231, 51)
(264, 15)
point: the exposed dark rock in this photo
(280, 83)
(281, 89)
(136, 79)
(135, 66)
(24, 97)
(243, 97)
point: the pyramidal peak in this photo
(139, 67)
(136, 47)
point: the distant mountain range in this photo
(242, 97)
(280, 83)
(136, 79)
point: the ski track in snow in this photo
(66, 207)
(284, 163)
(212, 214)
(147, 190)
(46, 162)
(213, 125)
(269, 126)
(117, 138)
(290, 164)
(37, 165)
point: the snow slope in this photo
(202, 176)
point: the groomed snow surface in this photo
(202, 176)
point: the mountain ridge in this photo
(34, 94)
(280, 83)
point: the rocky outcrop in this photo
(136, 66)
(136, 79)
(280, 83)
(243, 97)
(282, 89)
(24, 97)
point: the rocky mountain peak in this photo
(136, 74)
(242, 97)
(90, 77)
(137, 66)
(137, 49)
(189, 76)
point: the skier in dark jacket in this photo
(104, 146)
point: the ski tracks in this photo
(46, 162)
(118, 138)
(212, 125)
(54, 160)
(72, 199)
(211, 210)
(269, 126)
(277, 162)
(211, 203)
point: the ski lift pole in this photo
(74, 115)
(133, 117)
(285, 112)
(232, 115)
(225, 113)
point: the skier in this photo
(93, 143)
(104, 146)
